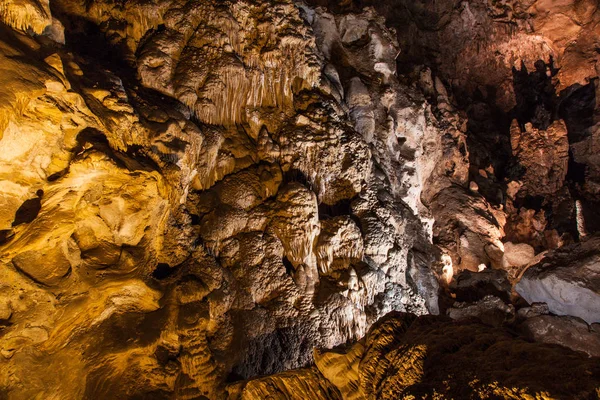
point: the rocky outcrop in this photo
(466, 227)
(476, 45)
(566, 280)
(197, 193)
(201, 199)
(490, 310)
(565, 331)
(469, 286)
(26, 14)
(543, 155)
(401, 355)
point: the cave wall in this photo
(199, 193)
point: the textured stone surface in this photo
(26, 14)
(212, 214)
(567, 280)
(467, 229)
(401, 355)
(565, 331)
(196, 194)
(476, 44)
(490, 310)
(543, 155)
(471, 286)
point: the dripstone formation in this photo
(299, 200)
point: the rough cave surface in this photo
(299, 199)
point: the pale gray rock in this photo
(566, 331)
(535, 310)
(490, 310)
(568, 280)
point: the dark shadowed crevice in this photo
(29, 210)
(342, 207)
(577, 110)
(195, 219)
(134, 159)
(289, 267)
(294, 175)
(535, 95)
(163, 271)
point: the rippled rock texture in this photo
(401, 356)
(197, 193)
(193, 194)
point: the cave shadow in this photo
(282, 349)
(456, 357)
(535, 95)
(340, 208)
(84, 37)
(133, 159)
(537, 103)
(488, 126)
(576, 107)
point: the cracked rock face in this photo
(196, 195)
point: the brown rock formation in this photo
(401, 357)
(219, 216)
(543, 155)
(197, 193)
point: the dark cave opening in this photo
(488, 141)
(162, 271)
(576, 172)
(295, 175)
(195, 219)
(289, 267)
(535, 94)
(233, 376)
(530, 202)
(86, 38)
(342, 207)
(577, 110)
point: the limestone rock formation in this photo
(490, 310)
(471, 286)
(217, 206)
(197, 198)
(566, 280)
(26, 14)
(566, 331)
(400, 358)
(467, 228)
(477, 44)
(543, 155)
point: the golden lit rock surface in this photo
(401, 356)
(166, 243)
(26, 14)
(199, 199)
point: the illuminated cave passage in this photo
(299, 199)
